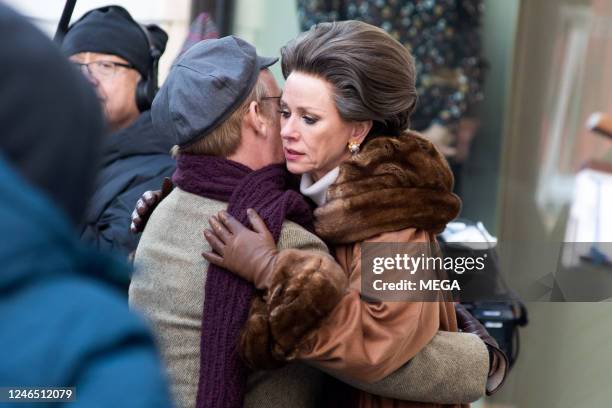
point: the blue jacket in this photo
(134, 160)
(65, 319)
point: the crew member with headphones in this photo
(120, 58)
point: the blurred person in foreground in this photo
(65, 321)
(119, 58)
(229, 156)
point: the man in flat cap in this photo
(119, 57)
(229, 157)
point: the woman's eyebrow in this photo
(302, 109)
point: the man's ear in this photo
(360, 131)
(254, 117)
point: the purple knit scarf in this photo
(227, 297)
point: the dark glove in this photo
(147, 203)
(250, 254)
(498, 361)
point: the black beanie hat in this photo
(112, 30)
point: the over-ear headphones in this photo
(148, 86)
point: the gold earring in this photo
(353, 148)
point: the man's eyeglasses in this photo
(101, 69)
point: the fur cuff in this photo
(256, 340)
(305, 288)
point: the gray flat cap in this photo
(205, 86)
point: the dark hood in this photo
(141, 138)
(50, 118)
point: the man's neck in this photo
(245, 158)
(252, 153)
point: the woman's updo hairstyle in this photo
(372, 74)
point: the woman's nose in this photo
(288, 130)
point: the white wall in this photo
(171, 15)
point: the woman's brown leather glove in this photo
(301, 287)
(498, 363)
(146, 204)
(250, 254)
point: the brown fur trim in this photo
(256, 340)
(305, 288)
(392, 184)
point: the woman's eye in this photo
(284, 113)
(308, 120)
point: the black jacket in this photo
(135, 159)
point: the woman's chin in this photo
(295, 168)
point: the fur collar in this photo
(392, 184)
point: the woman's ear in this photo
(360, 131)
